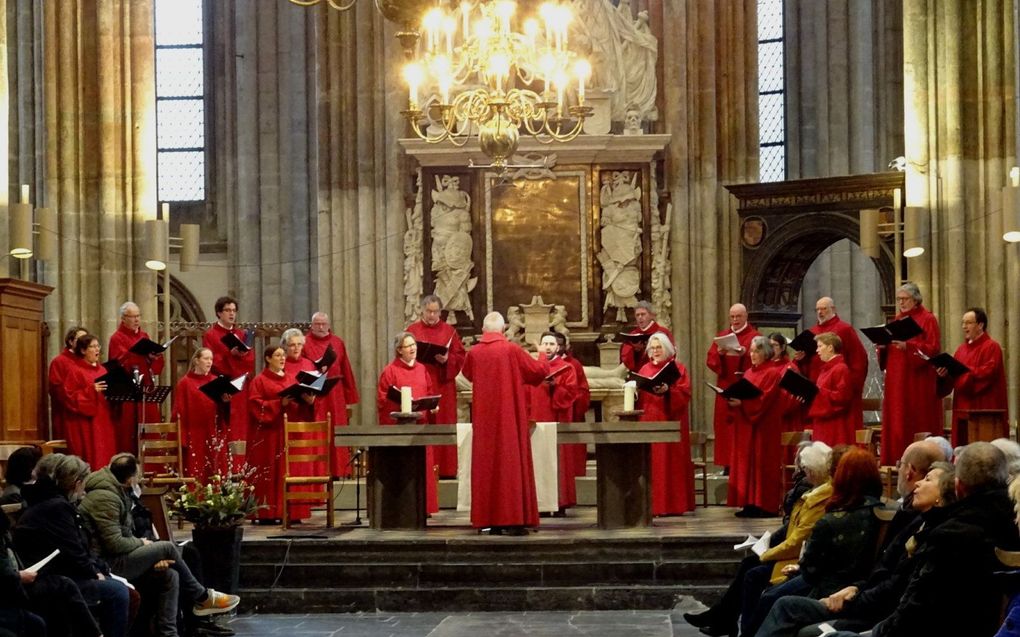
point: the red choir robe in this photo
(983, 387)
(582, 401)
(855, 357)
(755, 471)
(672, 469)
(831, 420)
(553, 401)
(87, 417)
(633, 358)
(343, 394)
(502, 472)
(265, 441)
(126, 416)
(444, 382)
(225, 363)
(60, 368)
(726, 369)
(911, 403)
(792, 409)
(416, 376)
(203, 432)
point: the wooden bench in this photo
(396, 459)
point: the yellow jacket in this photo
(806, 511)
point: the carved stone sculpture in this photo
(558, 320)
(413, 256)
(452, 246)
(514, 330)
(620, 198)
(661, 273)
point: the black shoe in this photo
(206, 626)
(758, 512)
(516, 531)
(743, 513)
(726, 471)
(719, 631)
(704, 618)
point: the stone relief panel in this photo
(452, 246)
(413, 255)
(620, 239)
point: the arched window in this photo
(180, 100)
(771, 92)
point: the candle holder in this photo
(632, 415)
(405, 417)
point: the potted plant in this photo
(217, 509)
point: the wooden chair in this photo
(308, 442)
(865, 439)
(7, 447)
(160, 455)
(154, 499)
(790, 441)
(699, 441)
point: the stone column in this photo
(100, 159)
(709, 55)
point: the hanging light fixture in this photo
(21, 226)
(913, 231)
(869, 239)
(481, 72)
(1011, 207)
(158, 243)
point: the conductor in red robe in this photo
(231, 361)
(552, 400)
(405, 371)
(830, 415)
(503, 496)
(318, 339)
(203, 432)
(854, 355)
(755, 474)
(126, 416)
(984, 386)
(442, 370)
(728, 365)
(87, 416)
(672, 469)
(60, 367)
(911, 403)
(633, 355)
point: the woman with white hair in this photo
(757, 426)
(293, 342)
(672, 471)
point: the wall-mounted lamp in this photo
(22, 228)
(1011, 207)
(870, 242)
(913, 231)
(158, 243)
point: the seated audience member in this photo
(841, 546)
(1011, 581)
(50, 522)
(107, 510)
(15, 615)
(943, 443)
(1012, 452)
(952, 590)
(861, 605)
(754, 573)
(20, 464)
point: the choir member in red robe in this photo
(755, 472)
(345, 393)
(126, 416)
(633, 355)
(503, 495)
(854, 355)
(203, 430)
(60, 368)
(728, 365)
(911, 403)
(443, 370)
(231, 362)
(87, 416)
(790, 406)
(266, 409)
(984, 386)
(552, 400)
(672, 469)
(582, 400)
(830, 419)
(405, 371)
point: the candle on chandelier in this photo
(465, 12)
(24, 193)
(450, 27)
(530, 32)
(583, 70)
(412, 75)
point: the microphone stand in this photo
(356, 460)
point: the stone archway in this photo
(786, 225)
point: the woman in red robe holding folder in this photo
(60, 368)
(757, 452)
(672, 469)
(203, 432)
(831, 420)
(552, 400)
(405, 371)
(791, 407)
(87, 419)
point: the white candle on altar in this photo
(629, 389)
(405, 400)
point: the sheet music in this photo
(43, 562)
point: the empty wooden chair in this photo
(699, 444)
(309, 444)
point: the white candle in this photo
(24, 193)
(629, 388)
(897, 199)
(405, 400)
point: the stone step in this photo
(471, 598)
(347, 575)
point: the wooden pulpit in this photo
(981, 425)
(22, 360)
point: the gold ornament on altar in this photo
(473, 72)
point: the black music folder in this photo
(425, 403)
(903, 329)
(148, 347)
(743, 389)
(668, 375)
(233, 342)
(634, 337)
(427, 352)
(799, 385)
(805, 342)
(216, 388)
(944, 359)
(328, 358)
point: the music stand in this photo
(139, 396)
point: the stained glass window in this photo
(771, 92)
(180, 101)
